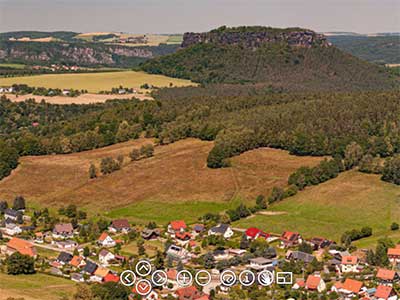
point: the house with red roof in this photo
(315, 283)
(254, 233)
(290, 239)
(177, 226)
(105, 240)
(394, 255)
(350, 264)
(110, 277)
(385, 293)
(182, 238)
(350, 288)
(22, 246)
(386, 276)
(77, 262)
(191, 293)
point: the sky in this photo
(178, 16)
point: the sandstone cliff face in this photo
(248, 39)
(68, 52)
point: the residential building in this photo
(21, 246)
(221, 230)
(106, 241)
(315, 283)
(349, 264)
(299, 255)
(385, 293)
(176, 226)
(261, 263)
(63, 231)
(120, 225)
(394, 255)
(64, 258)
(105, 257)
(290, 239)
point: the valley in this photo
(177, 174)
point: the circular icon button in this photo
(228, 278)
(265, 278)
(202, 277)
(247, 278)
(184, 278)
(127, 278)
(143, 287)
(143, 268)
(159, 278)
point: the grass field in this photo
(175, 183)
(95, 82)
(35, 287)
(13, 66)
(348, 202)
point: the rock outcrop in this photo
(254, 37)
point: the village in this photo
(76, 248)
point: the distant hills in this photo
(291, 58)
(379, 48)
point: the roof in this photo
(104, 252)
(187, 292)
(103, 236)
(394, 251)
(313, 282)
(76, 261)
(385, 274)
(253, 232)
(101, 272)
(261, 260)
(11, 212)
(90, 267)
(22, 246)
(110, 277)
(198, 227)
(183, 235)
(178, 225)
(121, 224)
(289, 236)
(221, 228)
(171, 274)
(352, 285)
(349, 260)
(383, 291)
(60, 228)
(303, 256)
(64, 257)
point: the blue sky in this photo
(175, 16)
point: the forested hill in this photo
(79, 53)
(293, 59)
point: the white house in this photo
(222, 229)
(105, 257)
(349, 264)
(105, 240)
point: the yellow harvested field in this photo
(81, 99)
(177, 173)
(96, 82)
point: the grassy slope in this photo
(95, 82)
(35, 287)
(350, 201)
(175, 182)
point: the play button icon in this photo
(127, 278)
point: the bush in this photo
(20, 264)
(394, 226)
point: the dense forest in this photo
(304, 124)
(377, 49)
(296, 61)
